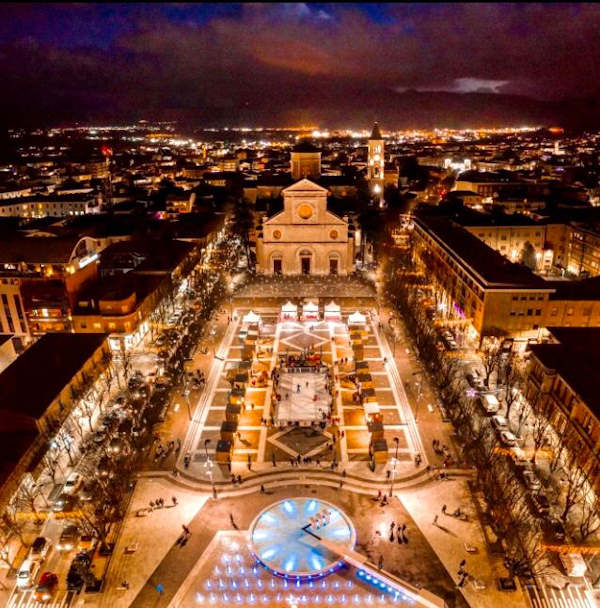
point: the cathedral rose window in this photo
(333, 234)
(305, 211)
(276, 234)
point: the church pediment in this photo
(305, 186)
(283, 218)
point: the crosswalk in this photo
(574, 596)
(26, 599)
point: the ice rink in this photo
(298, 392)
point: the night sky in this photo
(291, 64)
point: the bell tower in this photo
(376, 164)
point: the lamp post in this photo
(206, 442)
(394, 461)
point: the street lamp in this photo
(206, 442)
(394, 461)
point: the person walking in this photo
(174, 499)
(435, 519)
(262, 489)
(444, 509)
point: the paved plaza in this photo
(215, 566)
(260, 440)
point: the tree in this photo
(242, 223)
(528, 257)
(490, 358)
(539, 431)
(574, 480)
(25, 500)
(512, 382)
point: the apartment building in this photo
(478, 284)
(561, 384)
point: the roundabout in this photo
(286, 538)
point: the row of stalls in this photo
(310, 312)
(365, 386)
(250, 372)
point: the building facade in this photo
(560, 385)
(305, 238)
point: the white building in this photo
(305, 238)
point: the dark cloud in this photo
(290, 62)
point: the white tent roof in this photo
(289, 307)
(332, 307)
(310, 306)
(357, 318)
(251, 317)
(371, 407)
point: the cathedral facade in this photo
(305, 238)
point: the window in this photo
(512, 313)
(587, 311)
(538, 312)
(523, 298)
(569, 311)
(83, 325)
(530, 312)
(515, 298)
(554, 312)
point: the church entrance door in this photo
(305, 262)
(333, 266)
(277, 267)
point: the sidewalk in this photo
(155, 534)
(449, 536)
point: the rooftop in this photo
(574, 357)
(493, 269)
(38, 250)
(376, 133)
(30, 384)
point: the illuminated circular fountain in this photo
(286, 537)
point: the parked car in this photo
(539, 503)
(500, 423)
(507, 438)
(531, 481)
(117, 446)
(574, 564)
(65, 502)
(46, 587)
(104, 468)
(554, 531)
(73, 483)
(81, 562)
(40, 548)
(489, 403)
(86, 544)
(88, 491)
(27, 572)
(475, 381)
(68, 537)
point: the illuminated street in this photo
(300, 305)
